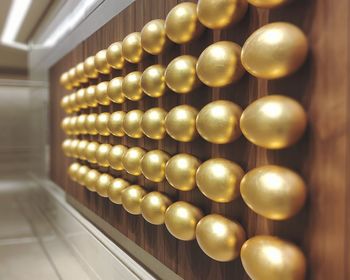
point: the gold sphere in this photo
(81, 74)
(65, 82)
(89, 68)
(80, 125)
(65, 125)
(101, 63)
(153, 81)
(181, 219)
(114, 56)
(90, 124)
(274, 51)
(217, 14)
(73, 125)
(81, 149)
(180, 74)
(66, 147)
(81, 98)
(180, 171)
(131, 48)
(90, 96)
(180, 123)
(219, 179)
(101, 124)
(72, 73)
(153, 123)
(115, 190)
(181, 23)
(153, 165)
(131, 199)
(131, 86)
(101, 94)
(65, 104)
(273, 122)
(153, 37)
(268, 257)
(220, 64)
(103, 184)
(114, 90)
(73, 170)
(73, 148)
(90, 152)
(73, 102)
(274, 192)
(220, 238)
(115, 156)
(132, 123)
(131, 160)
(115, 123)
(268, 4)
(90, 179)
(218, 122)
(153, 207)
(81, 173)
(102, 154)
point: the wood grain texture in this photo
(321, 157)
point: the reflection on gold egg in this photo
(90, 96)
(80, 73)
(80, 98)
(131, 86)
(132, 160)
(153, 123)
(153, 207)
(220, 238)
(65, 104)
(131, 48)
(132, 123)
(115, 123)
(115, 190)
(73, 77)
(153, 37)
(101, 94)
(181, 219)
(81, 149)
(90, 124)
(66, 144)
(180, 123)
(65, 125)
(65, 82)
(114, 90)
(181, 23)
(268, 257)
(73, 125)
(73, 170)
(131, 199)
(103, 184)
(73, 148)
(274, 51)
(153, 165)
(102, 154)
(273, 122)
(153, 81)
(115, 156)
(101, 124)
(269, 4)
(90, 179)
(101, 64)
(90, 151)
(89, 68)
(80, 125)
(114, 56)
(73, 102)
(219, 179)
(81, 173)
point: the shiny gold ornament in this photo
(153, 81)
(131, 160)
(220, 64)
(81, 121)
(101, 124)
(66, 147)
(153, 207)
(65, 82)
(80, 98)
(274, 192)
(131, 48)
(131, 86)
(180, 171)
(114, 90)
(90, 179)
(181, 219)
(115, 190)
(153, 37)
(114, 56)
(90, 124)
(89, 68)
(73, 125)
(218, 122)
(271, 258)
(268, 4)
(102, 154)
(181, 23)
(153, 165)
(274, 51)
(132, 123)
(115, 156)
(73, 170)
(180, 123)
(72, 73)
(90, 152)
(219, 179)
(81, 173)
(73, 148)
(101, 64)
(90, 96)
(81, 149)
(81, 77)
(103, 184)
(65, 104)
(131, 199)
(65, 125)
(153, 123)
(273, 122)
(115, 123)
(73, 102)
(217, 14)
(180, 74)
(220, 238)
(101, 94)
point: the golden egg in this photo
(114, 56)
(101, 63)
(66, 147)
(271, 258)
(80, 125)
(153, 81)
(273, 122)
(115, 123)
(153, 123)
(101, 94)
(90, 152)
(217, 14)
(73, 147)
(65, 82)
(131, 86)
(90, 96)
(103, 184)
(180, 123)
(115, 156)
(269, 4)
(274, 51)
(73, 102)
(115, 190)
(114, 90)
(180, 74)
(72, 73)
(181, 23)
(153, 207)
(80, 98)
(65, 125)
(81, 149)
(73, 170)
(180, 171)
(131, 199)
(65, 104)
(153, 37)
(220, 238)
(220, 64)
(131, 48)
(131, 160)
(81, 74)
(102, 154)
(132, 123)
(90, 179)
(181, 219)
(153, 165)
(274, 192)
(101, 124)
(89, 68)
(219, 179)
(218, 122)
(81, 173)
(90, 124)
(73, 125)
